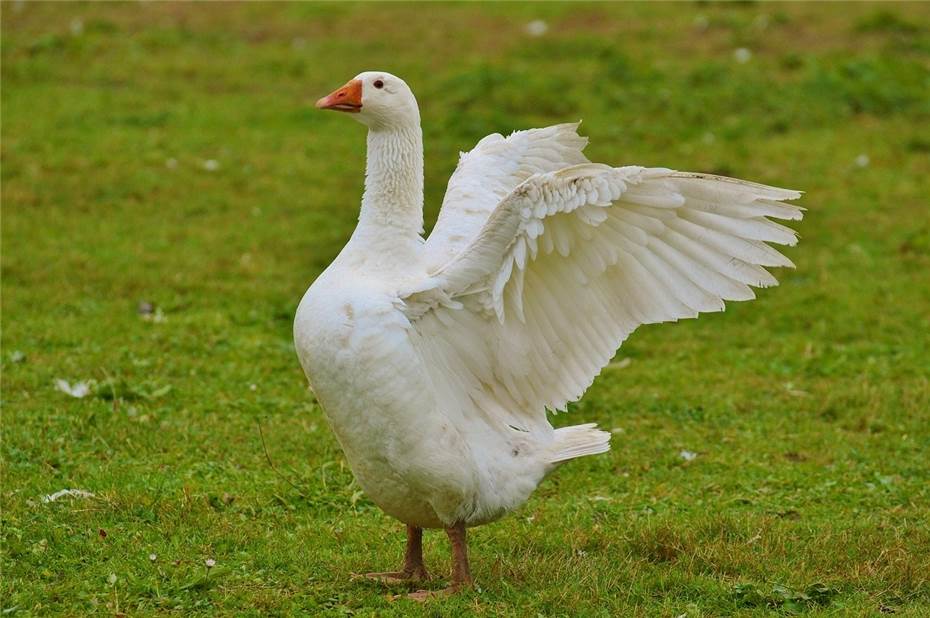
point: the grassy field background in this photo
(169, 193)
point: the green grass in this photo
(808, 409)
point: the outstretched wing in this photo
(489, 172)
(572, 261)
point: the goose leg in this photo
(461, 573)
(414, 569)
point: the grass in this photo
(129, 262)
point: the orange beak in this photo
(346, 99)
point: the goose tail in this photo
(578, 441)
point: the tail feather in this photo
(578, 441)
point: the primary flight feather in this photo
(435, 361)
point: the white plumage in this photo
(436, 361)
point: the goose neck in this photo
(393, 198)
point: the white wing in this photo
(489, 172)
(571, 262)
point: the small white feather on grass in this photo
(78, 389)
(67, 493)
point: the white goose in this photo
(435, 361)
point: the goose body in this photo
(415, 454)
(436, 360)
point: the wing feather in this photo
(572, 260)
(489, 172)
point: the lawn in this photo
(169, 192)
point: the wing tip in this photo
(771, 191)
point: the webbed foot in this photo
(417, 574)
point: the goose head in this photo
(376, 99)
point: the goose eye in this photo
(378, 83)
